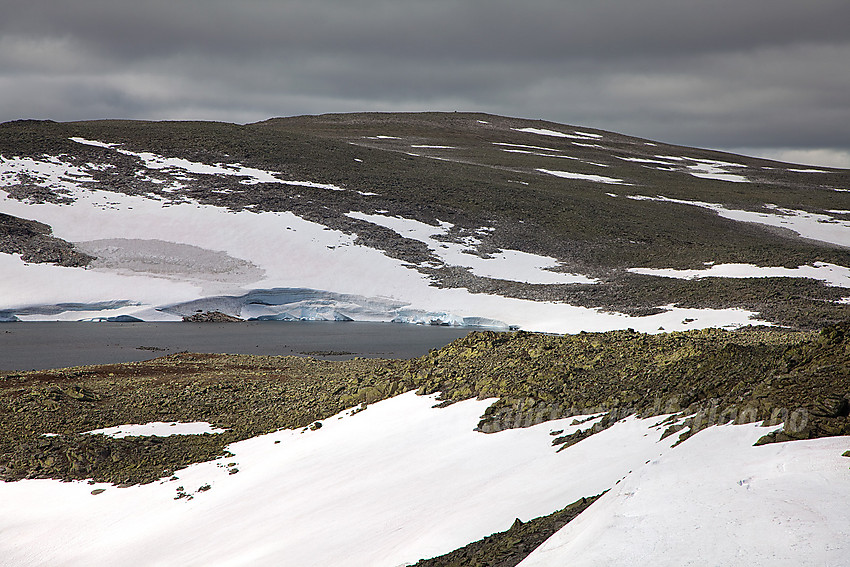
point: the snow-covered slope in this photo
(154, 255)
(717, 500)
(402, 481)
(172, 235)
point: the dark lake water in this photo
(38, 346)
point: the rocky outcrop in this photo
(509, 548)
(800, 381)
(211, 317)
(36, 244)
(43, 414)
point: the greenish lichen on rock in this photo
(798, 380)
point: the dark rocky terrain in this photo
(210, 317)
(35, 243)
(509, 548)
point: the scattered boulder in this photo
(211, 317)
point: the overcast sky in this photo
(770, 75)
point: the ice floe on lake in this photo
(292, 304)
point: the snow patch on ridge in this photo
(555, 134)
(157, 429)
(831, 274)
(512, 265)
(176, 165)
(710, 169)
(584, 177)
(815, 226)
(51, 173)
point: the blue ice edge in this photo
(278, 304)
(303, 304)
(11, 315)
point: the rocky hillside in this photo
(459, 201)
(800, 381)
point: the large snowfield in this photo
(156, 255)
(402, 480)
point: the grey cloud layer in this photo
(755, 73)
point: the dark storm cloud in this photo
(488, 28)
(727, 73)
